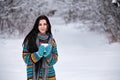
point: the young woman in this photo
(40, 51)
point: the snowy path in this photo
(83, 55)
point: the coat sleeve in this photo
(28, 57)
(53, 57)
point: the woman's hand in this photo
(48, 49)
(41, 50)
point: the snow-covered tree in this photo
(18, 16)
(110, 17)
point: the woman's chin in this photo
(43, 32)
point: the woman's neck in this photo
(42, 34)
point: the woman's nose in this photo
(42, 25)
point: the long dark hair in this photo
(32, 35)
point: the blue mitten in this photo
(41, 50)
(47, 51)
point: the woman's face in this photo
(42, 27)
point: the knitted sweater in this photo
(31, 58)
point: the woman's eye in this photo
(40, 24)
(45, 24)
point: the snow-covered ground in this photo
(83, 55)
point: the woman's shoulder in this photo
(25, 42)
(54, 42)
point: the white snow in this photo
(83, 55)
